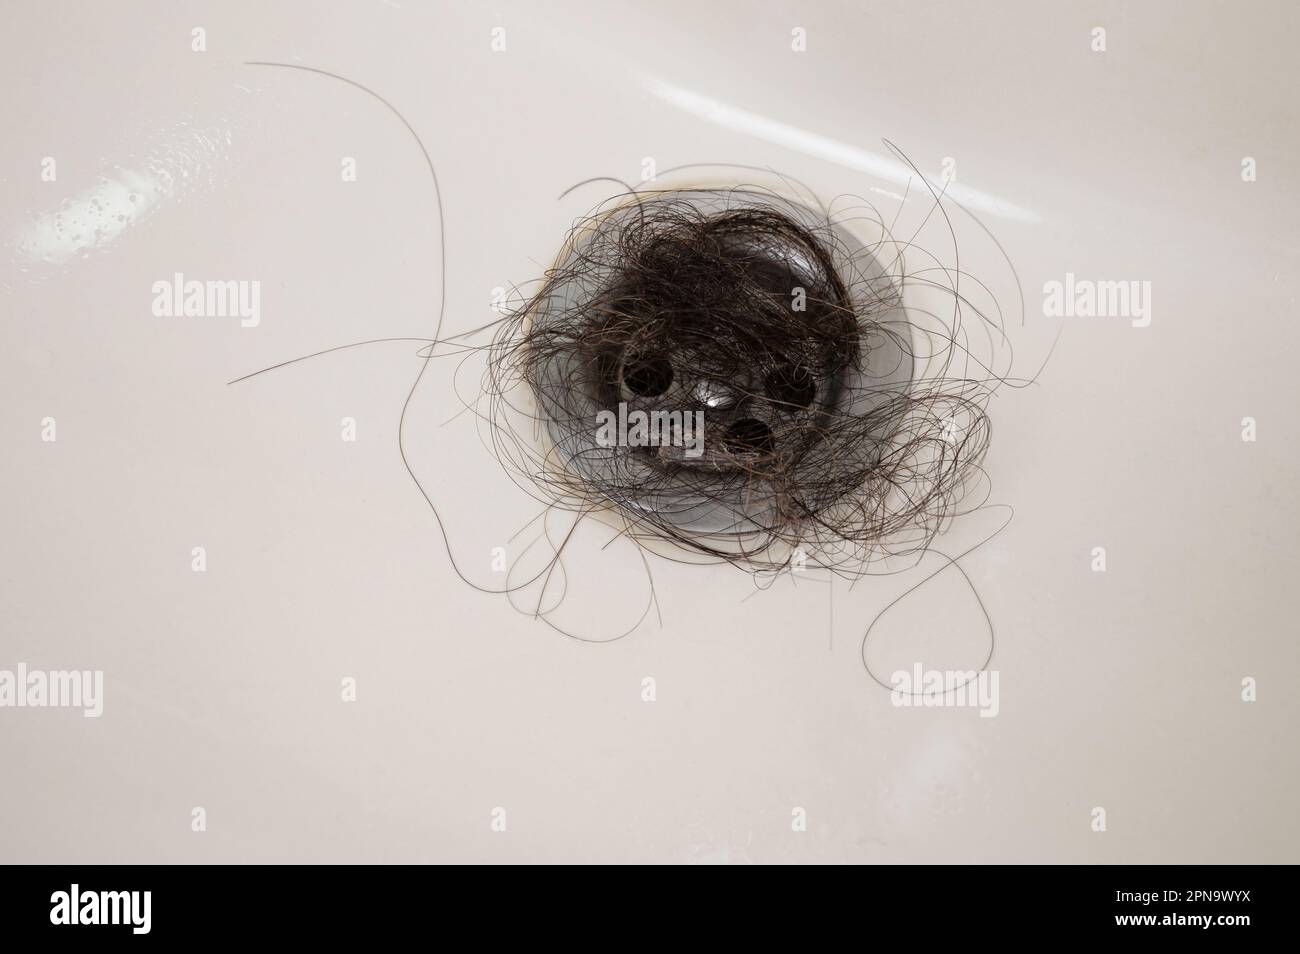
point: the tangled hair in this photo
(841, 397)
(838, 426)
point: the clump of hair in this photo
(837, 427)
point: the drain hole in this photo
(648, 377)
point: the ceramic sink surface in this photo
(151, 147)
